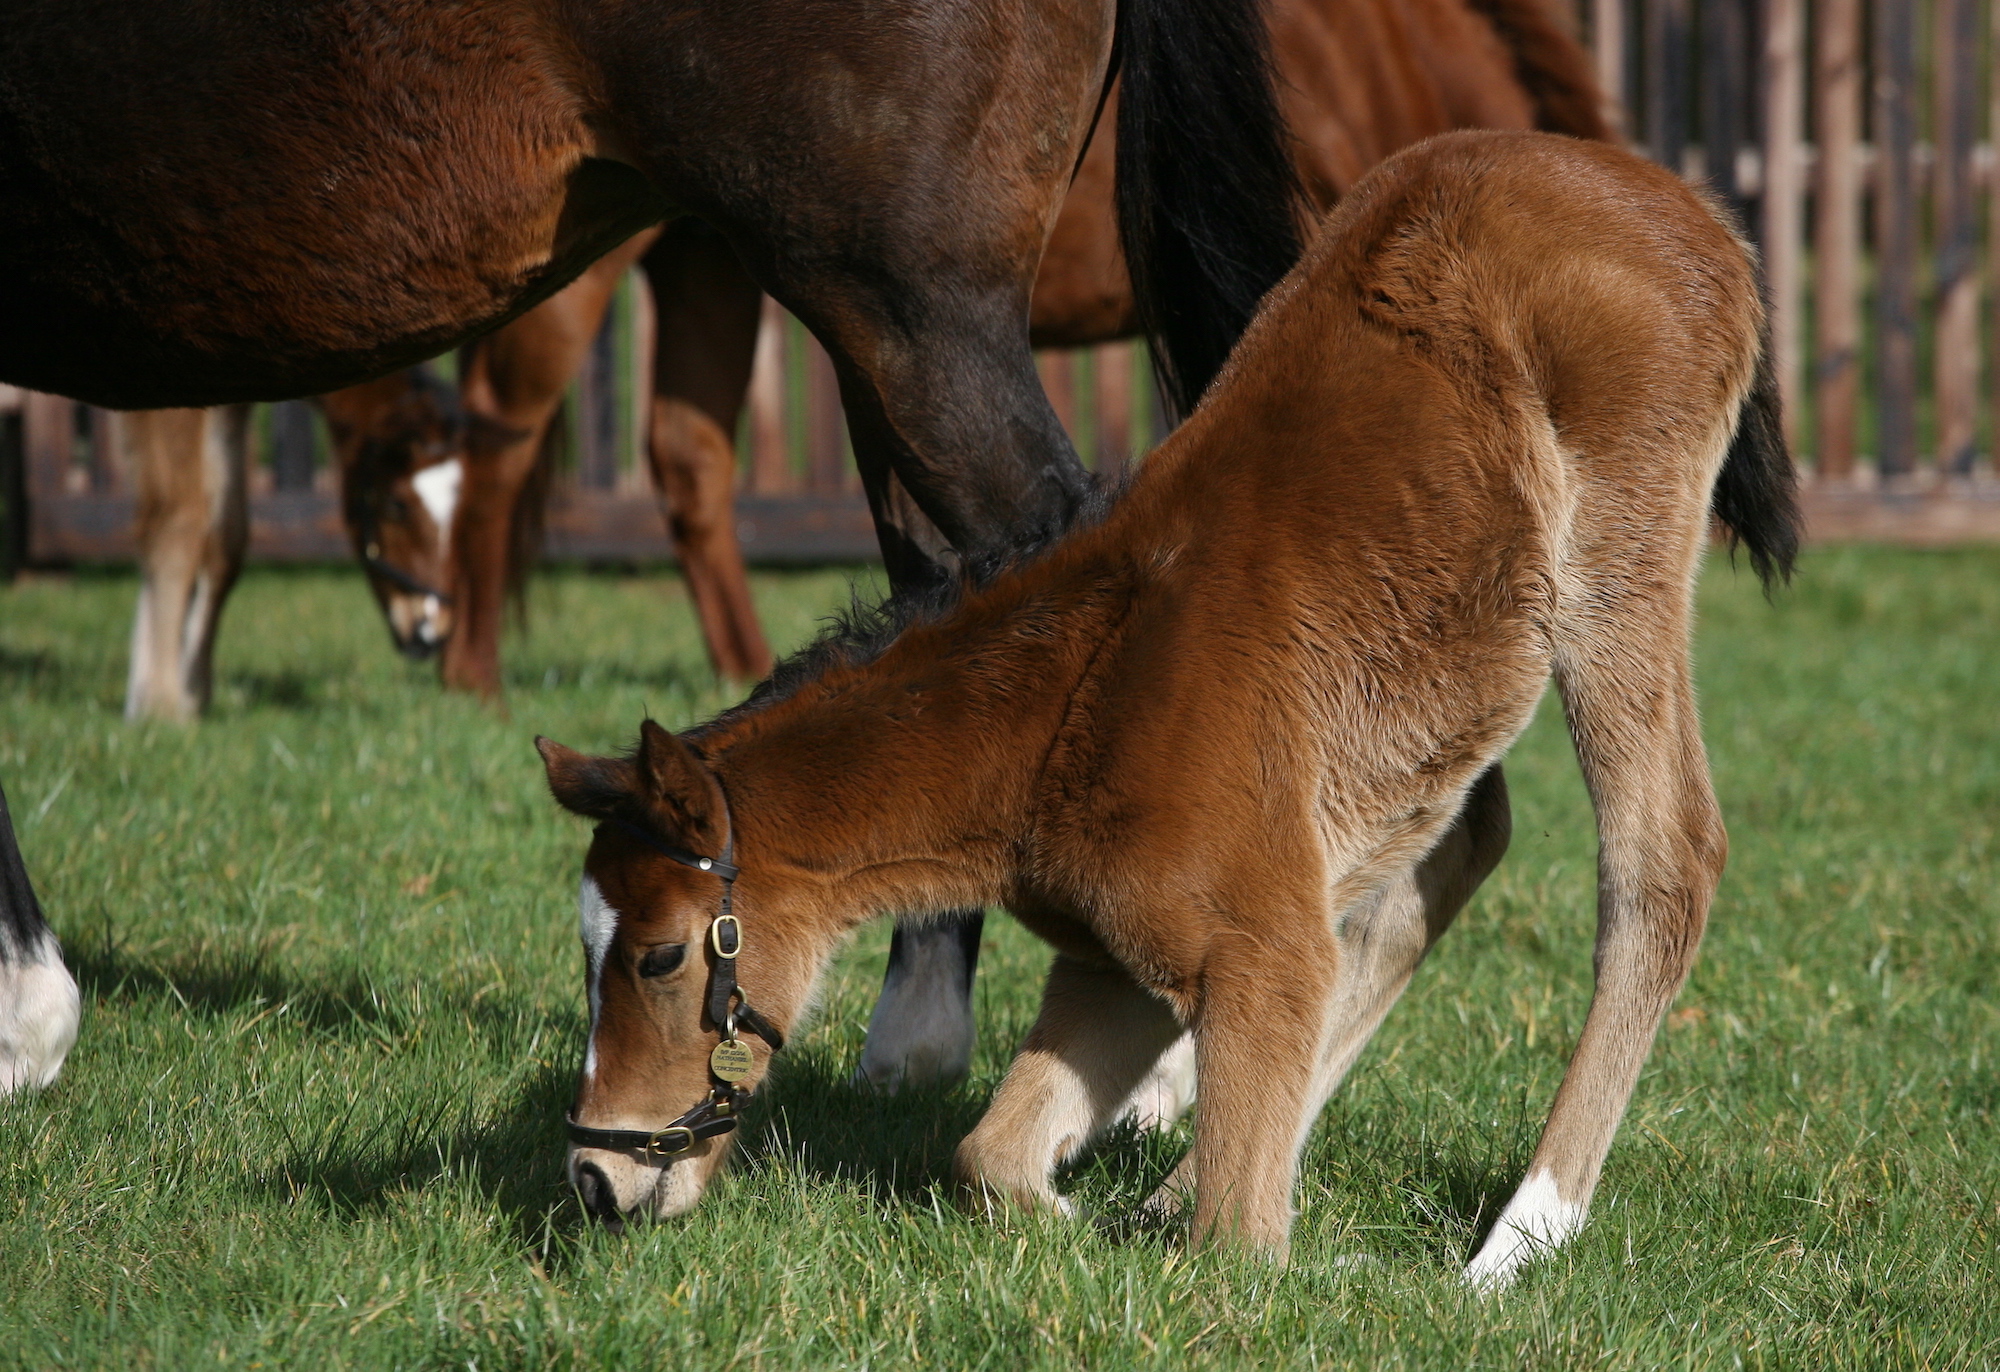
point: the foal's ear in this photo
(673, 779)
(597, 787)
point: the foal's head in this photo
(400, 442)
(690, 973)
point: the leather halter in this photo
(716, 1113)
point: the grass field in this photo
(333, 1008)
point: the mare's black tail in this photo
(1756, 495)
(1207, 194)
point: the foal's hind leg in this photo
(193, 527)
(1098, 1035)
(1630, 702)
(1383, 941)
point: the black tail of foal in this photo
(1757, 493)
(1207, 193)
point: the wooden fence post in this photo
(1784, 99)
(1607, 44)
(1837, 237)
(770, 447)
(1896, 208)
(1667, 82)
(1725, 52)
(1955, 120)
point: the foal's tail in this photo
(1756, 495)
(1208, 197)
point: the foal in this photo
(1233, 750)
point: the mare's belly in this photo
(206, 203)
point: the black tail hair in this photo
(1208, 197)
(1756, 494)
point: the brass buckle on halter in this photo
(657, 1147)
(735, 937)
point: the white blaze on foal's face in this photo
(438, 486)
(597, 922)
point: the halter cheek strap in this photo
(716, 1113)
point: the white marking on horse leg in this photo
(1537, 1221)
(438, 486)
(39, 1010)
(597, 922)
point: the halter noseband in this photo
(716, 1113)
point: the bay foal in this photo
(1232, 750)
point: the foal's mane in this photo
(865, 629)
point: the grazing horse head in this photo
(401, 443)
(690, 973)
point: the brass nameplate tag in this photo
(732, 1060)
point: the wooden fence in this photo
(1855, 137)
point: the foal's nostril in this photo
(595, 1190)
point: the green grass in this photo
(333, 1009)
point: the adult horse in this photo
(1358, 79)
(224, 201)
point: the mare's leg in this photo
(1098, 1035)
(707, 309)
(921, 1030)
(1630, 701)
(193, 526)
(39, 1005)
(513, 383)
(1383, 941)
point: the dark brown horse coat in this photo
(1232, 750)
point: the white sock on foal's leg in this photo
(1537, 1221)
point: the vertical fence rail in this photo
(1783, 188)
(1837, 237)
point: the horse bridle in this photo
(716, 1113)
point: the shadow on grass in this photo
(220, 983)
(284, 690)
(514, 1158)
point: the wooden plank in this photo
(1837, 237)
(1938, 515)
(1725, 102)
(1955, 253)
(1607, 47)
(1058, 372)
(293, 445)
(771, 470)
(1897, 204)
(1114, 409)
(1784, 186)
(1667, 81)
(826, 424)
(601, 526)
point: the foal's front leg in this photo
(1098, 1035)
(1383, 940)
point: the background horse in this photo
(1233, 750)
(398, 445)
(418, 174)
(1357, 80)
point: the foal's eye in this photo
(662, 960)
